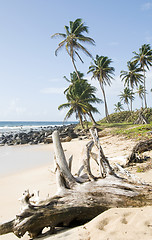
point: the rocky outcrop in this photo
(44, 135)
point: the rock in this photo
(48, 139)
(44, 135)
(66, 139)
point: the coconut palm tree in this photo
(81, 97)
(118, 107)
(73, 39)
(82, 84)
(102, 71)
(144, 57)
(126, 96)
(133, 76)
(140, 91)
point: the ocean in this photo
(17, 126)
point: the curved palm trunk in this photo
(80, 118)
(106, 107)
(75, 68)
(74, 63)
(85, 120)
(145, 88)
(92, 118)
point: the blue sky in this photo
(31, 76)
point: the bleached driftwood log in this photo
(78, 199)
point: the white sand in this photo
(113, 224)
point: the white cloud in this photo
(52, 90)
(146, 6)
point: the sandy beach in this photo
(114, 224)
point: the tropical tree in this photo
(133, 76)
(144, 57)
(118, 107)
(102, 71)
(126, 96)
(81, 97)
(73, 39)
(140, 91)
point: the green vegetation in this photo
(127, 116)
(80, 96)
(122, 123)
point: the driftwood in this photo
(79, 198)
(141, 119)
(141, 147)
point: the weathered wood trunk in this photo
(80, 198)
(141, 119)
(141, 147)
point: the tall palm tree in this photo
(73, 39)
(126, 96)
(133, 76)
(80, 96)
(102, 71)
(140, 91)
(118, 107)
(144, 57)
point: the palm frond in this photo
(58, 35)
(64, 105)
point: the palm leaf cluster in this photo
(81, 97)
(127, 95)
(118, 107)
(133, 76)
(73, 39)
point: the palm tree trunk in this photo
(85, 120)
(142, 102)
(106, 107)
(131, 102)
(92, 118)
(145, 88)
(80, 118)
(74, 63)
